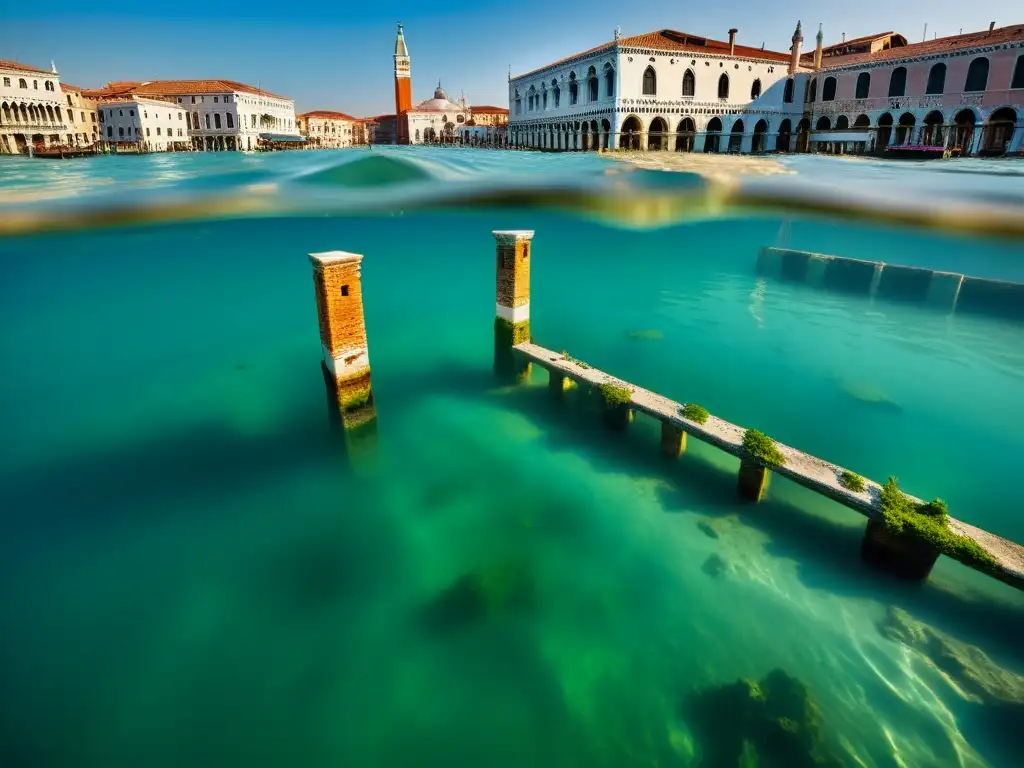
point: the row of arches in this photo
(585, 135)
(537, 99)
(30, 114)
(975, 81)
(659, 137)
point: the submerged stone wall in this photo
(948, 291)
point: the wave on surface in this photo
(972, 196)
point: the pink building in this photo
(964, 91)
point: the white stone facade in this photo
(674, 91)
(32, 108)
(144, 125)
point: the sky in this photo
(339, 56)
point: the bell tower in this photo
(403, 88)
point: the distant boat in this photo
(61, 152)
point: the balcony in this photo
(13, 127)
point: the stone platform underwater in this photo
(904, 535)
(945, 291)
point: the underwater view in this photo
(199, 567)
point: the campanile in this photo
(403, 88)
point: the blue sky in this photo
(339, 57)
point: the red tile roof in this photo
(178, 88)
(329, 115)
(8, 64)
(489, 110)
(929, 47)
(671, 40)
(70, 87)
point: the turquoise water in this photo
(194, 571)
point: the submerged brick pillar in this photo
(902, 554)
(346, 362)
(512, 305)
(673, 440)
(753, 480)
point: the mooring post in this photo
(902, 554)
(673, 440)
(753, 480)
(512, 307)
(346, 362)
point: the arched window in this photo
(828, 90)
(231, 121)
(574, 89)
(544, 100)
(35, 85)
(689, 83)
(557, 92)
(812, 90)
(195, 121)
(936, 79)
(22, 83)
(216, 120)
(723, 86)
(609, 80)
(842, 123)
(898, 82)
(755, 90)
(977, 75)
(207, 121)
(110, 131)
(787, 93)
(417, 134)
(650, 82)
(1018, 74)
(48, 85)
(863, 85)
(120, 132)
(592, 84)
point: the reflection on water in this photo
(195, 571)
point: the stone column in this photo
(753, 480)
(559, 383)
(512, 307)
(746, 144)
(902, 554)
(673, 440)
(346, 362)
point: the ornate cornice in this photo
(896, 62)
(611, 48)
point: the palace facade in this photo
(138, 123)
(669, 90)
(33, 110)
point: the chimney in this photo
(924, 37)
(732, 41)
(844, 37)
(991, 26)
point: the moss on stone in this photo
(761, 448)
(614, 395)
(851, 481)
(771, 722)
(570, 359)
(356, 402)
(694, 412)
(510, 334)
(929, 522)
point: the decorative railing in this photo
(16, 126)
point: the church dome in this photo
(439, 93)
(440, 103)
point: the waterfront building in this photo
(32, 108)
(81, 116)
(222, 114)
(670, 90)
(144, 124)
(324, 129)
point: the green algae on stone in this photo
(695, 413)
(615, 395)
(510, 334)
(929, 522)
(758, 446)
(771, 723)
(851, 481)
(570, 359)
